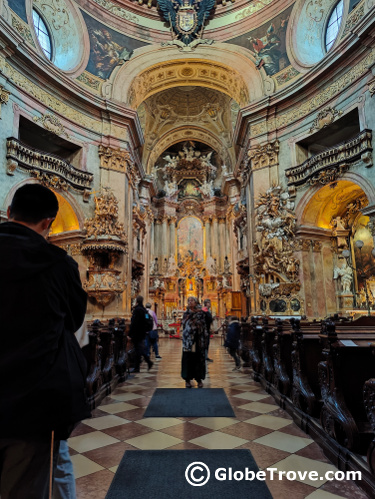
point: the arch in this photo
(69, 217)
(224, 67)
(321, 203)
(186, 133)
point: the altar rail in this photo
(323, 370)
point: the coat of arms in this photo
(186, 18)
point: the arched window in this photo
(43, 34)
(333, 25)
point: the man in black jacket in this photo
(42, 369)
(138, 330)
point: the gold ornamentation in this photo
(51, 181)
(48, 168)
(264, 156)
(103, 285)
(273, 252)
(105, 224)
(286, 75)
(117, 11)
(316, 245)
(318, 100)
(52, 124)
(22, 28)
(327, 176)
(114, 159)
(90, 80)
(325, 118)
(252, 9)
(354, 18)
(4, 96)
(47, 99)
(55, 11)
(371, 87)
(192, 72)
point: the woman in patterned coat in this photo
(194, 344)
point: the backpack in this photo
(148, 322)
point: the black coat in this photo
(137, 325)
(233, 335)
(42, 368)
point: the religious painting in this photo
(268, 43)
(365, 263)
(189, 188)
(190, 239)
(108, 48)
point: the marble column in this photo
(164, 239)
(222, 245)
(172, 236)
(214, 238)
(208, 237)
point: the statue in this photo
(226, 265)
(154, 267)
(172, 266)
(211, 266)
(170, 188)
(207, 188)
(346, 276)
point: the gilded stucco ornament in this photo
(258, 157)
(325, 118)
(371, 87)
(105, 242)
(274, 249)
(4, 96)
(52, 124)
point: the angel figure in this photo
(346, 276)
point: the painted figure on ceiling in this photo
(268, 49)
(106, 52)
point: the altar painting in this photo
(190, 239)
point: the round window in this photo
(333, 25)
(42, 33)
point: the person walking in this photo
(42, 368)
(194, 341)
(153, 336)
(209, 320)
(232, 341)
(141, 323)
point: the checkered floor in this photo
(98, 444)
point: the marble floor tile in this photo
(154, 441)
(282, 441)
(110, 455)
(218, 440)
(118, 407)
(271, 422)
(214, 423)
(246, 431)
(89, 441)
(258, 407)
(83, 466)
(105, 422)
(129, 430)
(124, 397)
(94, 486)
(251, 396)
(322, 494)
(159, 423)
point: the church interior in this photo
(217, 149)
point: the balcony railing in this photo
(330, 164)
(49, 168)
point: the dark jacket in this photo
(233, 335)
(42, 368)
(137, 325)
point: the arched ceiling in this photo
(329, 202)
(186, 113)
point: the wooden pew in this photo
(369, 400)
(342, 375)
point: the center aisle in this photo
(98, 444)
